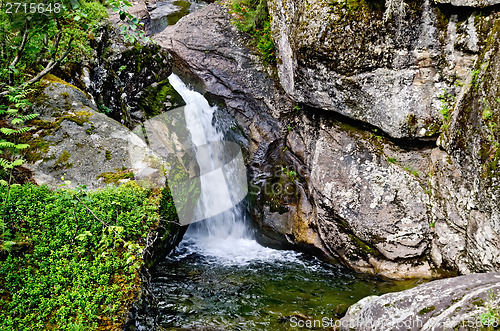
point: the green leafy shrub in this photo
(252, 16)
(76, 257)
(39, 42)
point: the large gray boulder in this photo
(73, 142)
(383, 66)
(468, 302)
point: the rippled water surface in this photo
(220, 278)
(240, 285)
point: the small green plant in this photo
(411, 170)
(486, 113)
(475, 78)
(131, 26)
(252, 16)
(374, 134)
(447, 101)
(490, 318)
(291, 174)
(487, 117)
(121, 69)
(104, 109)
(392, 160)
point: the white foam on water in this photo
(224, 238)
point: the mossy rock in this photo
(115, 177)
(169, 232)
(158, 98)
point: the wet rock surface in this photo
(458, 303)
(123, 74)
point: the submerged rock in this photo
(461, 303)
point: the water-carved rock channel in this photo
(363, 198)
(220, 277)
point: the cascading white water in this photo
(225, 236)
(220, 277)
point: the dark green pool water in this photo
(219, 278)
(240, 285)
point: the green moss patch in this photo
(54, 79)
(427, 310)
(115, 177)
(160, 98)
(79, 256)
(79, 117)
(62, 161)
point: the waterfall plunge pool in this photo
(220, 278)
(211, 283)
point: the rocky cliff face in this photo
(383, 66)
(356, 173)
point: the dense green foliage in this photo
(69, 259)
(76, 255)
(37, 37)
(252, 16)
(32, 42)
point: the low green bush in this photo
(75, 255)
(252, 16)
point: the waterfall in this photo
(227, 233)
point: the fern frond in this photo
(28, 117)
(17, 162)
(21, 146)
(6, 144)
(5, 164)
(25, 129)
(7, 131)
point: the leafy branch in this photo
(53, 62)
(16, 101)
(131, 26)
